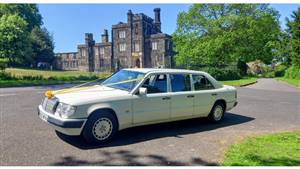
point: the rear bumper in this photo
(66, 126)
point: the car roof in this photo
(155, 70)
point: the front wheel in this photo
(217, 112)
(100, 127)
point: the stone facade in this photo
(139, 43)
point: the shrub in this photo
(5, 75)
(39, 77)
(280, 70)
(292, 73)
(270, 74)
(223, 73)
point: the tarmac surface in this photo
(265, 107)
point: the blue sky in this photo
(69, 22)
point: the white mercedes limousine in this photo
(134, 97)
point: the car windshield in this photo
(124, 80)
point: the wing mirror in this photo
(142, 91)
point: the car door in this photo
(204, 93)
(182, 98)
(155, 105)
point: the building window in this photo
(168, 45)
(83, 52)
(136, 29)
(101, 62)
(102, 51)
(122, 47)
(96, 51)
(122, 34)
(136, 47)
(154, 45)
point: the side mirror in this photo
(142, 91)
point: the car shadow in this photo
(150, 132)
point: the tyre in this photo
(100, 127)
(217, 112)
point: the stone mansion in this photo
(139, 43)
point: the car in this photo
(135, 97)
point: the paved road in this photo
(268, 106)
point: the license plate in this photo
(43, 117)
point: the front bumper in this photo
(67, 126)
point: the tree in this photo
(294, 30)
(14, 40)
(42, 45)
(29, 12)
(216, 34)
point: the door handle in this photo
(166, 98)
(190, 96)
(214, 94)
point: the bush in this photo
(223, 73)
(292, 73)
(268, 72)
(5, 75)
(280, 70)
(32, 77)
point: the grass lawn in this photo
(240, 82)
(20, 83)
(280, 149)
(295, 82)
(46, 73)
(48, 77)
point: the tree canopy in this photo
(294, 31)
(210, 34)
(14, 39)
(42, 45)
(22, 39)
(29, 12)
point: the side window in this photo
(156, 84)
(200, 82)
(180, 82)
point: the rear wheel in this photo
(217, 112)
(100, 127)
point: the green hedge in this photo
(292, 73)
(280, 70)
(225, 73)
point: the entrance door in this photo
(137, 63)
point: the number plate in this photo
(44, 117)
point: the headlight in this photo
(64, 110)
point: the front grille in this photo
(50, 105)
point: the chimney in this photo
(88, 39)
(157, 22)
(104, 36)
(129, 16)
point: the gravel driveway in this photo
(267, 106)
